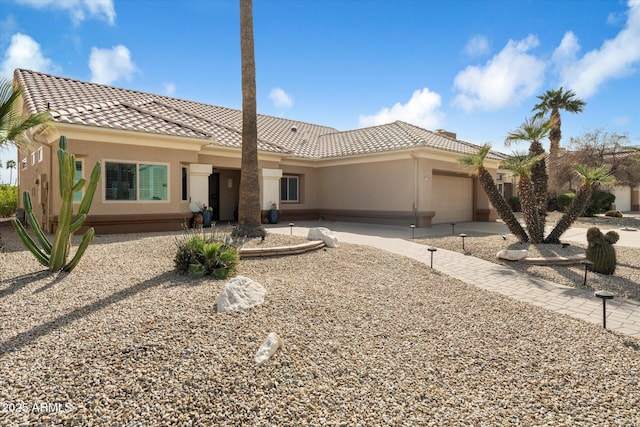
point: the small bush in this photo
(616, 214)
(600, 202)
(199, 255)
(564, 200)
(8, 200)
(514, 202)
(552, 203)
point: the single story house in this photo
(163, 158)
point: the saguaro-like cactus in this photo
(600, 250)
(54, 255)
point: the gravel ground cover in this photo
(625, 282)
(371, 338)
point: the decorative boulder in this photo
(240, 293)
(324, 234)
(268, 348)
(512, 254)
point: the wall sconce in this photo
(427, 178)
(230, 183)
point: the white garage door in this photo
(623, 198)
(452, 199)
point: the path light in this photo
(432, 250)
(453, 227)
(463, 236)
(586, 264)
(291, 229)
(604, 295)
(413, 231)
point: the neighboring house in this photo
(163, 157)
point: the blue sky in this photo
(473, 67)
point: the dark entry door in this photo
(214, 195)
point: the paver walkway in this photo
(622, 315)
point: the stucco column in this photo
(270, 180)
(199, 185)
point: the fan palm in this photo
(495, 197)
(592, 178)
(521, 165)
(12, 122)
(553, 101)
(11, 165)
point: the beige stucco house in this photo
(163, 157)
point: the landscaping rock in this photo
(240, 293)
(512, 254)
(268, 348)
(324, 234)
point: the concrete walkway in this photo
(623, 316)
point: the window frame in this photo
(40, 154)
(184, 183)
(81, 192)
(289, 177)
(137, 164)
(33, 158)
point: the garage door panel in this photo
(452, 199)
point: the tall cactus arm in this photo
(79, 185)
(61, 164)
(86, 239)
(91, 189)
(77, 223)
(33, 223)
(60, 248)
(29, 243)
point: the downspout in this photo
(416, 193)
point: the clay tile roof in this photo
(91, 104)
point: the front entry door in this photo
(214, 195)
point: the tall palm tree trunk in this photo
(540, 181)
(498, 202)
(530, 209)
(555, 134)
(249, 201)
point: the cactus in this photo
(54, 255)
(600, 250)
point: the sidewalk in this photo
(623, 316)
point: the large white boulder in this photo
(268, 348)
(240, 293)
(324, 234)
(512, 254)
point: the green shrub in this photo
(8, 200)
(514, 202)
(600, 202)
(616, 214)
(199, 255)
(564, 200)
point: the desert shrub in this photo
(514, 202)
(552, 203)
(616, 214)
(564, 200)
(600, 202)
(199, 255)
(8, 200)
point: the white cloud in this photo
(280, 98)
(510, 76)
(421, 110)
(477, 45)
(110, 65)
(169, 88)
(24, 52)
(615, 58)
(78, 9)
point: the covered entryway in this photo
(452, 198)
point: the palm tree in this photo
(495, 197)
(249, 202)
(12, 123)
(11, 164)
(522, 166)
(553, 101)
(591, 178)
(533, 131)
